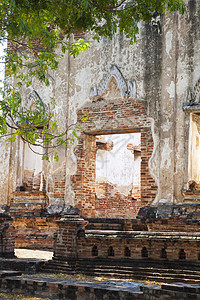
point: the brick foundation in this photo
(140, 245)
(35, 232)
(34, 227)
(123, 244)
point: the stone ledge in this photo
(112, 234)
(67, 289)
(24, 265)
(81, 290)
(184, 288)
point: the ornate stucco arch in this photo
(127, 89)
(32, 99)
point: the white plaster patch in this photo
(153, 167)
(83, 76)
(168, 39)
(182, 83)
(154, 161)
(171, 89)
(166, 151)
(166, 126)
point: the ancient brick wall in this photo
(59, 178)
(73, 241)
(138, 245)
(35, 232)
(116, 204)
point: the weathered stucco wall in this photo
(163, 65)
(4, 173)
(20, 162)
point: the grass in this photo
(19, 296)
(82, 277)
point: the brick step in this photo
(162, 277)
(178, 265)
(130, 269)
(59, 270)
(60, 264)
(140, 270)
(128, 272)
(142, 273)
(106, 220)
(27, 193)
(28, 200)
(145, 273)
(149, 277)
(192, 289)
(169, 272)
(191, 200)
(19, 213)
(5, 273)
(104, 226)
(28, 197)
(28, 203)
(147, 267)
(125, 273)
(133, 263)
(26, 265)
(55, 267)
(21, 206)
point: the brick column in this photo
(65, 246)
(128, 226)
(7, 236)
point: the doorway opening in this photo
(30, 168)
(117, 174)
(194, 152)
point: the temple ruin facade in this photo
(135, 171)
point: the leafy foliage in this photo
(38, 34)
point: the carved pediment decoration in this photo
(114, 85)
(192, 98)
(33, 100)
